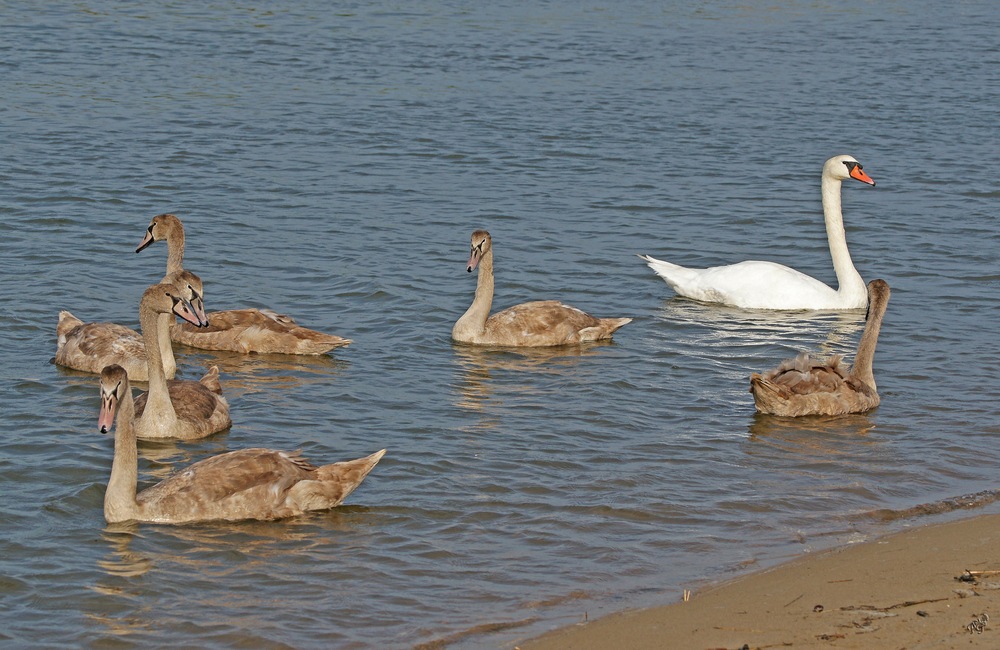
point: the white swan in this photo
(766, 285)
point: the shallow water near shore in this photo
(331, 163)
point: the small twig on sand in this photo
(873, 608)
(794, 600)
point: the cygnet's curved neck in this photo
(864, 359)
(849, 281)
(473, 321)
(164, 347)
(175, 249)
(119, 498)
(158, 406)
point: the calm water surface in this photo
(332, 161)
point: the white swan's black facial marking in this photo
(856, 171)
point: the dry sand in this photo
(901, 591)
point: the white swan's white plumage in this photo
(767, 285)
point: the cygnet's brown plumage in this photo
(808, 386)
(175, 409)
(246, 484)
(239, 330)
(91, 346)
(531, 324)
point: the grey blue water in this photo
(330, 160)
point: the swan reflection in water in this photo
(205, 552)
(122, 561)
(482, 366)
(118, 572)
(718, 326)
(825, 435)
(245, 374)
(258, 541)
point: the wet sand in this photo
(900, 591)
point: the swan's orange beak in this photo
(107, 417)
(184, 310)
(147, 240)
(859, 174)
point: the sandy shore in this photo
(901, 591)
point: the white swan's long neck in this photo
(473, 321)
(119, 498)
(158, 408)
(849, 281)
(865, 358)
